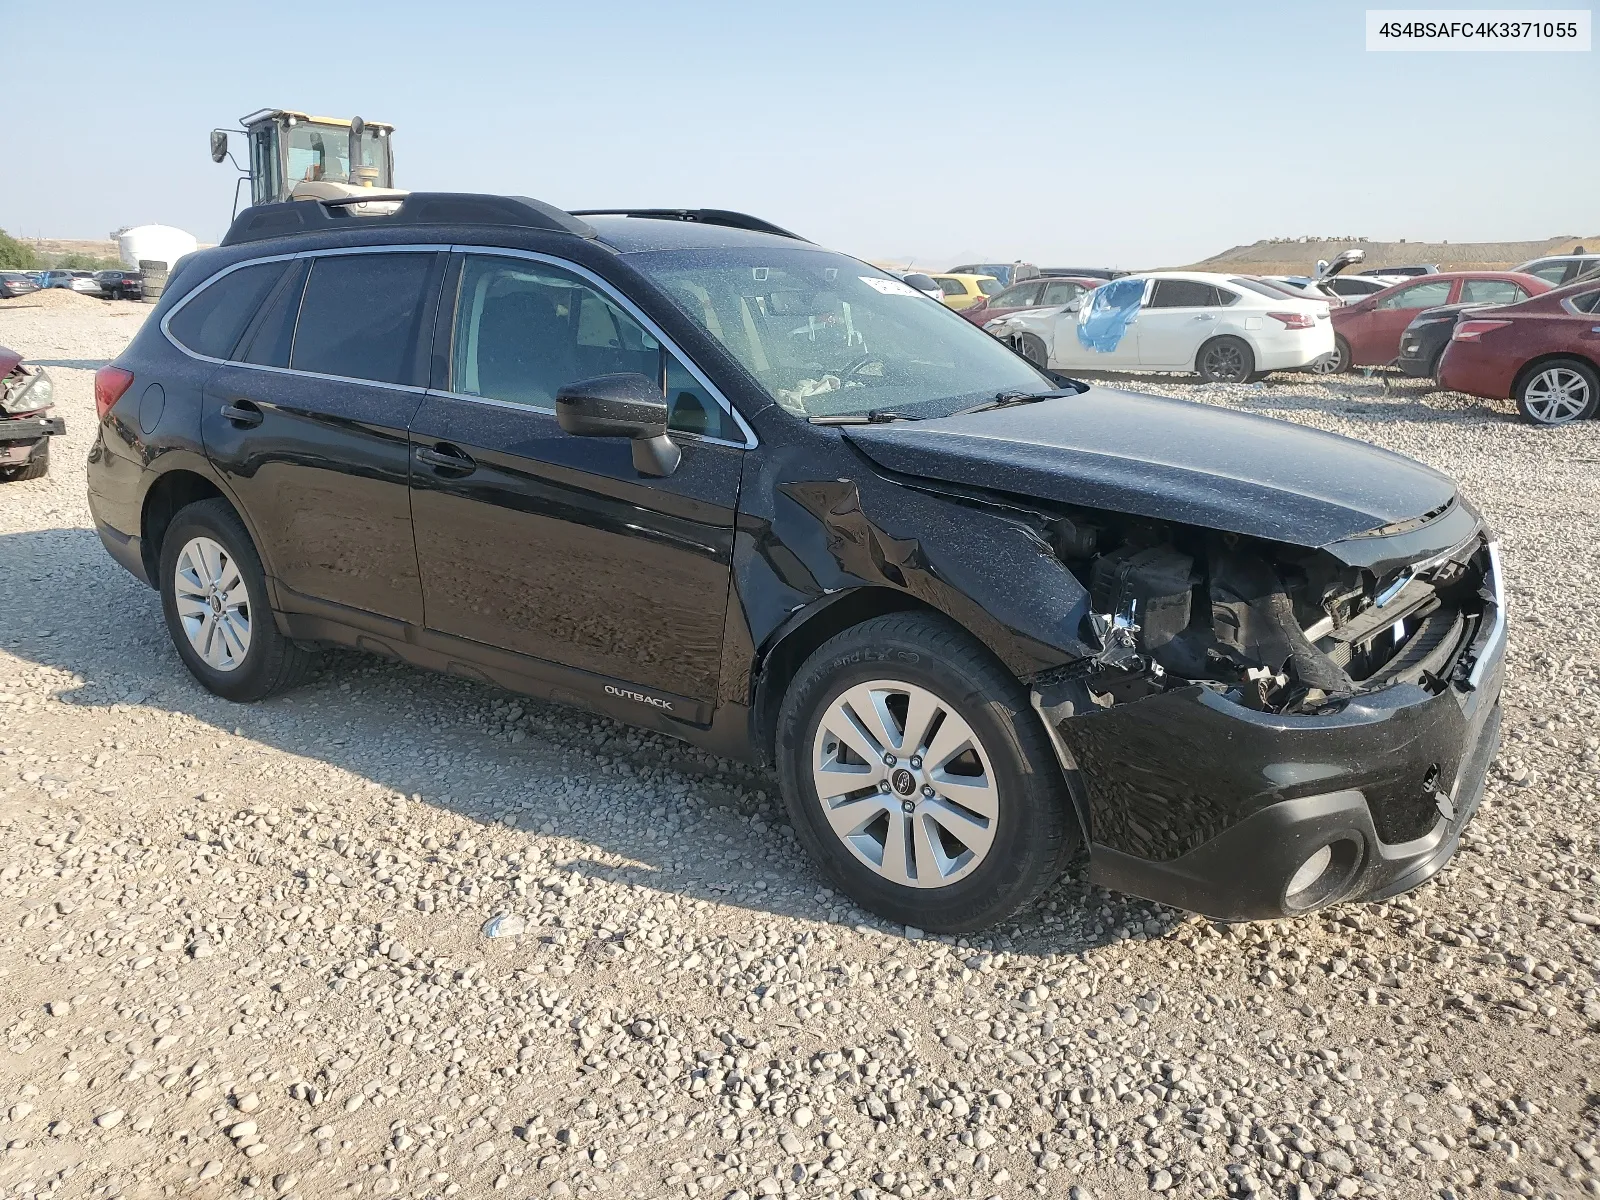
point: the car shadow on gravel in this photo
(458, 745)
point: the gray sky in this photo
(1060, 132)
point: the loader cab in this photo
(293, 156)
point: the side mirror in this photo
(624, 405)
(219, 145)
(1075, 305)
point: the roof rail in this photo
(704, 216)
(264, 221)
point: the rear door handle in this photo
(243, 414)
(446, 457)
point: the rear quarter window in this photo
(211, 320)
(361, 316)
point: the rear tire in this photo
(980, 832)
(1558, 392)
(243, 669)
(1225, 359)
(1336, 363)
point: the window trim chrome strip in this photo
(750, 442)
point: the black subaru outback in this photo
(696, 472)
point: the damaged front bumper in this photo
(1195, 801)
(23, 438)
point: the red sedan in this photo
(1367, 331)
(1543, 353)
(1043, 291)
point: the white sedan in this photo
(1227, 328)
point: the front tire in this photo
(1225, 360)
(214, 596)
(918, 777)
(36, 468)
(1558, 393)
(1031, 347)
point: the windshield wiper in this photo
(878, 416)
(1007, 399)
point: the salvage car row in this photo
(116, 284)
(1526, 334)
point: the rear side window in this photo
(211, 321)
(1422, 295)
(270, 339)
(1018, 297)
(1062, 293)
(1183, 293)
(1491, 291)
(361, 315)
(1551, 272)
(1589, 302)
(952, 287)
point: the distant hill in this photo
(1299, 258)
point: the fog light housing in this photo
(1324, 874)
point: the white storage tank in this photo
(160, 243)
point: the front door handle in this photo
(243, 414)
(446, 457)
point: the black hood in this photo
(1173, 460)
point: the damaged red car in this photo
(710, 478)
(26, 426)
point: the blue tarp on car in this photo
(1106, 313)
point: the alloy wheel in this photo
(905, 783)
(1225, 362)
(213, 603)
(1556, 395)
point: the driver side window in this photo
(525, 329)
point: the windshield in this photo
(322, 152)
(826, 335)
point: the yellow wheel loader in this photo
(295, 156)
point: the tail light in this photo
(109, 384)
(1294, 320)
(1471, 331)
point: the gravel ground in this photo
(241, 948)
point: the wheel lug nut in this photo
(926, 790)
(884, 786)
(888, 760)
(907, 806)
(916, 762)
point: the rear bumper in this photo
(1202, 804)
(1421, 361)
(126, 548)
(1292, 349)
(1477, 370)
